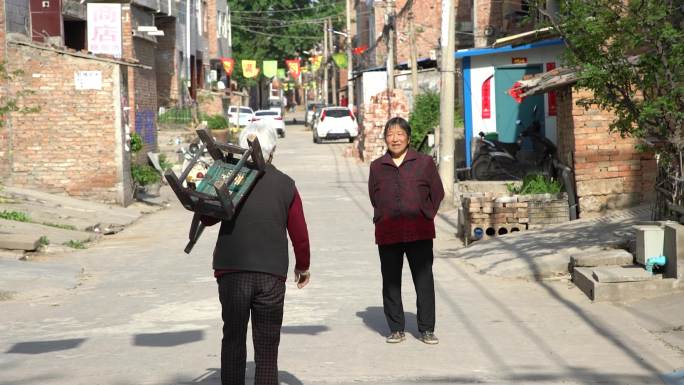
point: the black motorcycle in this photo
(532, 153)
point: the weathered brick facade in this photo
(142, 83)
(75, 144)
(210, 103)
(370, 143)
(610, 172)
(166, 63)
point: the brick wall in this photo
(4, 133)
(427, 26)
(370, 143)
(166, 63)
(74, 144)
(609, 172)
(212, 32)
(145, 83)
(210, 103)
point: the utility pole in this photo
(391, 37)
(350, 60)
(446, 121)
(333, 75)
(325, 61)
(414, 59)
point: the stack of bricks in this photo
(489, 215)
(370, 143)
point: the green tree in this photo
(278, 29)
(630, 54)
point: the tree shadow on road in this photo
(374, 319)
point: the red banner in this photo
(486, 95)
(228, 65)
(553, 106)
(293, 67)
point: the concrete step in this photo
(616, 257)
(597, 291)
(19, 242)
(613, 274)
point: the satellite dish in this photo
(489, 31)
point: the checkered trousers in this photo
(261, 295)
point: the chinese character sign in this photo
(228, 65)
(104, 29)
(293, 67)
(249, 69)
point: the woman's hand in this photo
(302, 278)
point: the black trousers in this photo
(261, 295)
(420, 258)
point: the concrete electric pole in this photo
(333, 69)
(391, 36)
(414, 57)
(446, 122)
(324, 62)
(350, 59)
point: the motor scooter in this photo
(531, 153)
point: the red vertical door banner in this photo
(293, 67)
(486, 98)
(553, 107)
(228, 65)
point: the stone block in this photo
(622, 274)
(19, 242)
(583, 278)
(616, 257)
(674, 250)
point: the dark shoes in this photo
(395, 338)
(429, 338)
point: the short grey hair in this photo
(266, 134)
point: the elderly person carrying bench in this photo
(250, 265)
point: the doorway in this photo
(508, 111)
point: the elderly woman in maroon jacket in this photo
(405, 191)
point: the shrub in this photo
(136, 142)
(15, 216)
(44, 241)
(535, 184)
(425, 116)
(215, 122)
(74, 244)
(144, 174)
(164, 163)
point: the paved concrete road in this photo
(143, 312)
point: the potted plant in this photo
(146, 179)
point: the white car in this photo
(335, 123)
(273, 118)
(239, 119)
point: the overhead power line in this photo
(288, 10)
(274, 34)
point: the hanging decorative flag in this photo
(249, 69)
(359, 50)
(281, 73)
(315, 62)
(293, 67)
(270, 68)
(340, 59)
(228, 65)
